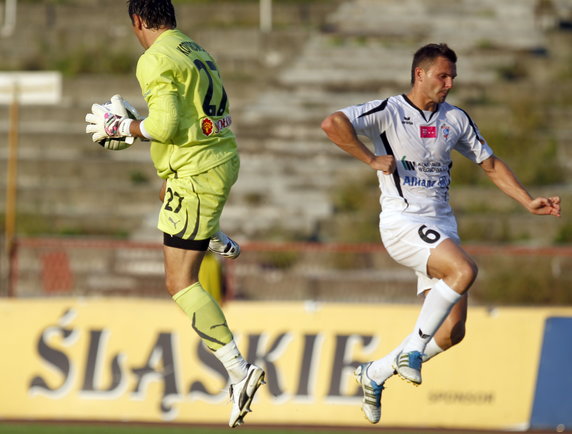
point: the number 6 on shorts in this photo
(430, 236)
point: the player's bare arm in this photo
(163, 190)
(339, 130)
(505, 179)
(135, 129)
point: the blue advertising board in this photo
(552, 406)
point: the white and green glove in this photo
(109, 123)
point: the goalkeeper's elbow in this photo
(163, 132)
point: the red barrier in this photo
(265, 270)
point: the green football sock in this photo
(206, 316)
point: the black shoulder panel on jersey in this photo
(473, 125)
(395, 175)
(379, 108)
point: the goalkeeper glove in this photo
(111, 120)
(116, 144)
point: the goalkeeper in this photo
(195, 152)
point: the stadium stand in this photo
(320, 57)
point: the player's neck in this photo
(151, 35)
(421, 101)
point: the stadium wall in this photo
(139, 360)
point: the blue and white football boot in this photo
(371, 403)
(408, 366)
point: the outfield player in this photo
(195, 151)
(413, 136)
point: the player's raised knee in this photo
(466, 272)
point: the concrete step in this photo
(511, 25)
(289, 171)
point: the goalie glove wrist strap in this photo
(124, 128)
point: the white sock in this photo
(380, 370)
(435, 309)
(431, 350)
(233, 362)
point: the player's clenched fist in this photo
(545, 206)
(384, 163)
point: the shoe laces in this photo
(415, 359)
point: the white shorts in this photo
(409, 242)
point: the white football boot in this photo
(223, 245)
(242, 394)
(371, 403)
(408, 366)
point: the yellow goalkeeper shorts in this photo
(192, 205)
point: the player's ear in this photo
(137, 21)
(419, 72)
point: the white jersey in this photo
(421, 143)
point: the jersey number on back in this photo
(208, 107)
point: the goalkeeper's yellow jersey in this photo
(189, 116)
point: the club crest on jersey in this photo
(207, 126)
(427, 132)
(445, 131)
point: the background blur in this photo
(304, 212)
(286, 67)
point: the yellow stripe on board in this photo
(139, 360)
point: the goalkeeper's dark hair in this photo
(428, 53)
(155, 13)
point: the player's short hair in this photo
(424, 56)
(156, 14)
